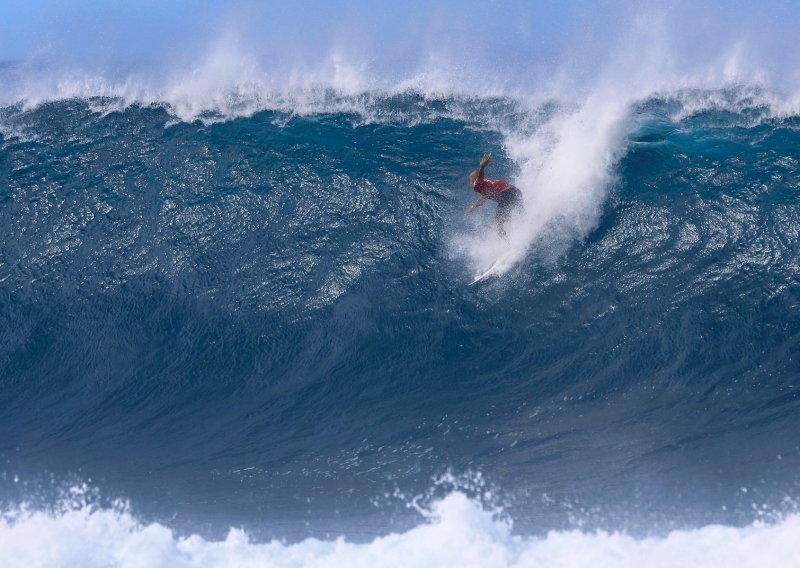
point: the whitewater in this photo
(459, 534)
(236, 327)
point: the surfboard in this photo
(493, 270)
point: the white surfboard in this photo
(493, 270)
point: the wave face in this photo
(262, 320)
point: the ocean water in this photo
(237, 329)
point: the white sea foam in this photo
(457, 532)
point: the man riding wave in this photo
(508, 197)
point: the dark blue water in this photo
(264, 321)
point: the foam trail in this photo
(566, 169)
(458, 533)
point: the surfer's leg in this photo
(517, 202)
(500, 217)
(501, 231)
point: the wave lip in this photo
(458, 532)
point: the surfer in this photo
(508, 197)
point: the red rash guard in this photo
(490, 188)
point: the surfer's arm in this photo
(478, 202)
(476, 177)
(484, 162)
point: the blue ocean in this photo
(236, 325)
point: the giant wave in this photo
(239, 300)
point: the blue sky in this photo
(383, 33)
(148, 29)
